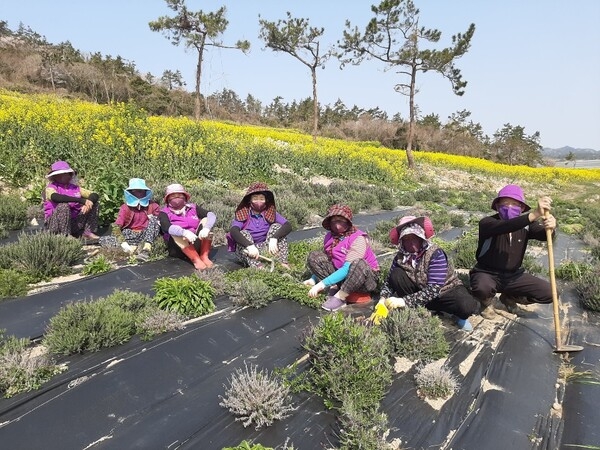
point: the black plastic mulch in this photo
(165, 393)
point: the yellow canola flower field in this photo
(36, 130)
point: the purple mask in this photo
(258, 206)
(176, 203)
(509, 212)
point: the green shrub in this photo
(42, 255)
(298, 253)
(415, 334)
(97, 265)
(90, 326)
(572, 270)
(81, 327)
(435, 381)
(257, 397)
(362, 429)
(19, 370)
(588, 287)
(12, 283)
(348, 362)
(281, 285)
(251, 292)
(464, 251)
(188, 296)
(13, 212)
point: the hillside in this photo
(562, 152)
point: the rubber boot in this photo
(487, 309)
(205, 246)
(192, 254)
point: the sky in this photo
(532, 63)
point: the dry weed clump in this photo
(158, 321)
(257, 397)
(20, 370)
(435, 381)
(251, 292)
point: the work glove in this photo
(394, 302)
(203, 234)
(381, 312)
(273, 248)
(252, 251)
(314, 291)
(191, 237)
(310, 282)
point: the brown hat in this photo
(337, 210)
(242, 210)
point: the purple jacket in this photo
(341, 250)
(71, 190)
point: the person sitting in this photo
(421, 274)
(503, 239)
(69, 209)
(137, 221)
(186, 227)
(258, 227)
(347, 260)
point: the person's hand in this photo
(314, 291)
(191, 237)
(549, 222)
(381, 312)
(310, 282)
(544, 203)
(273, 248)
(252, 251)
(394, 302)
(203, 234)
(87, 206)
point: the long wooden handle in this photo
(553, 284)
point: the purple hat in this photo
(59, 167)
(511, 191)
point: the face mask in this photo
(258, 206)
(339, 227)
(411, 243)
(509, 212)
(176, 203)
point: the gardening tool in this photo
(264, 258)
(560, 347)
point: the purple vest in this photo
(71, 190)
(341, 250)
(187, 221)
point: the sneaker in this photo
(333, 304)
(464, 324)
(510, 303)
(142, 256)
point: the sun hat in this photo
(137, 183)
(176, 188)
(511, 191)
(423, 221)
(59, 167)
(338, 209)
